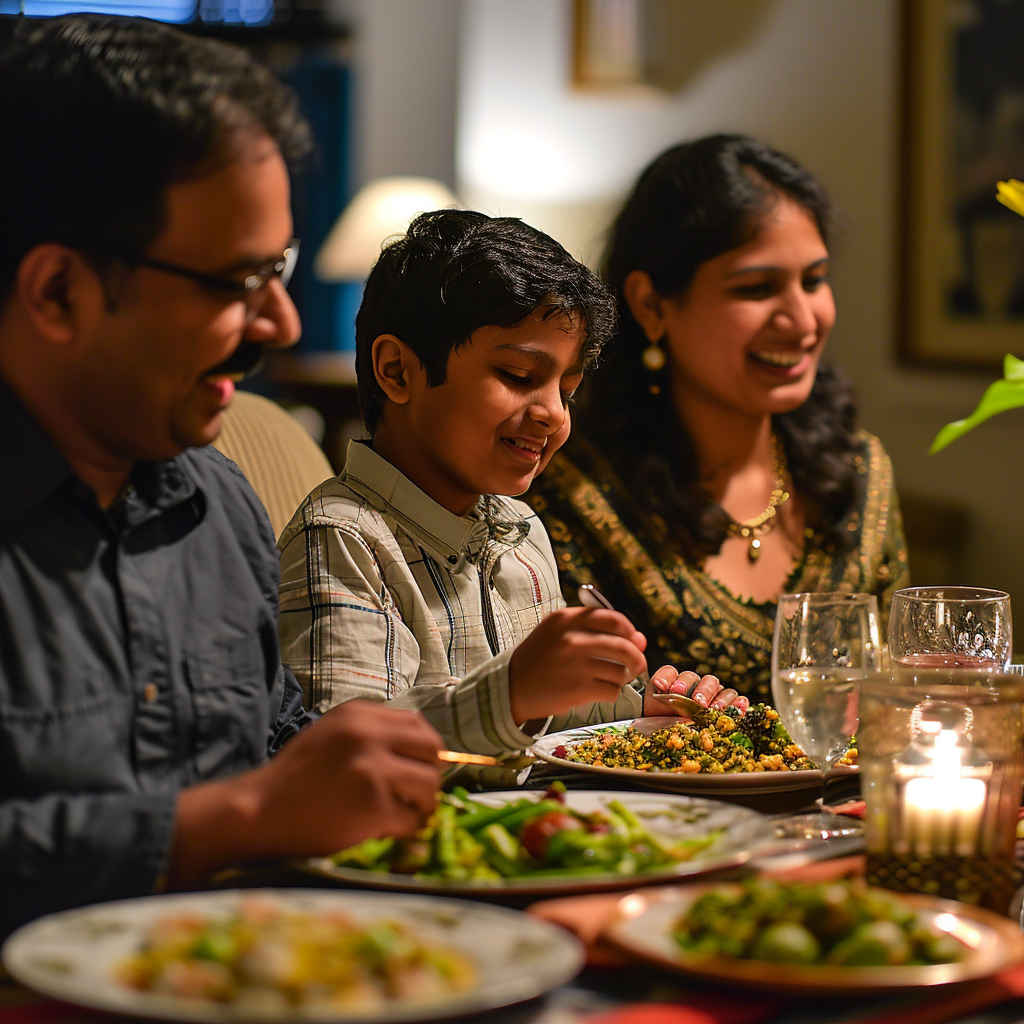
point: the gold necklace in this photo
(757, 527)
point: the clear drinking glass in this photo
(950, 628)
(824, 643)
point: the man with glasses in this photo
(146, 245)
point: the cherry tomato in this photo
(538, 831)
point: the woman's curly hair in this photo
(693, 203)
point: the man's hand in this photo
(575, 656)
(706, 690)
(362, 770)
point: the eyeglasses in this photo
(251, 291)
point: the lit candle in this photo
(942, 813)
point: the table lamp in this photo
(380, 209)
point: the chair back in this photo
(275, 452)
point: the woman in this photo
(714, 464)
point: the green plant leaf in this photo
(1013, 368)
(1011, 194)
(1001, 395)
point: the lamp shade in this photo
(381, 208)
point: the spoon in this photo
(591, 597)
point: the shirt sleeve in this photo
(293, 717)
(64, 850)
(629, 705)
(343, 637)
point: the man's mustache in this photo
(244, 360)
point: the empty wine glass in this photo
(950, 628)
(824, 644)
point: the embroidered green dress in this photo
(601, 535)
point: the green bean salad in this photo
(467, 840)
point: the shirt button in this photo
(150, 692)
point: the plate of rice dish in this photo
(292, 955)
(721, 751)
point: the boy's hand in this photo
(575, 656)
(706, 690)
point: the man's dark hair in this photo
(455, 271)
(99, 115)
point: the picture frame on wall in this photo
(962, 264)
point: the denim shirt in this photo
(138, 655)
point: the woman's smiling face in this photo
(749, 332)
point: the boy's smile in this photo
(495, 422)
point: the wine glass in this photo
(950, 628)
(824, 644)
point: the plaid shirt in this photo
(388, 596)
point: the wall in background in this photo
(478, 92)
(817, 78)
(405, 57)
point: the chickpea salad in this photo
(717, 742)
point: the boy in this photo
(409, 578)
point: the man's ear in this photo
(58, 291)
(646, 305)
(394, 365)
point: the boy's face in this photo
(501, 413)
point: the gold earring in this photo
(653, 358)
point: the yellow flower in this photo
(1011, 193)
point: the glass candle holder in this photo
(942, 766)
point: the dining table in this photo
(612, 989)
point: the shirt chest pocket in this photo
(70, 747)
(230, 693)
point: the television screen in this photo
(213, 12)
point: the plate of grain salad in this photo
(723, 752)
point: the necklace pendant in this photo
(754, 551)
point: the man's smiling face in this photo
(501, 413)
(149, 393)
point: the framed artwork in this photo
(631, 45)
(608, 44)
(962, 286)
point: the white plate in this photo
(73, 955)
(701, 783)
(745, 831)
(644, 923)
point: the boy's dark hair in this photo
(100, 114)
(455, 271)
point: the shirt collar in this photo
(451, 538)
(156, 487)
(33, 468)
